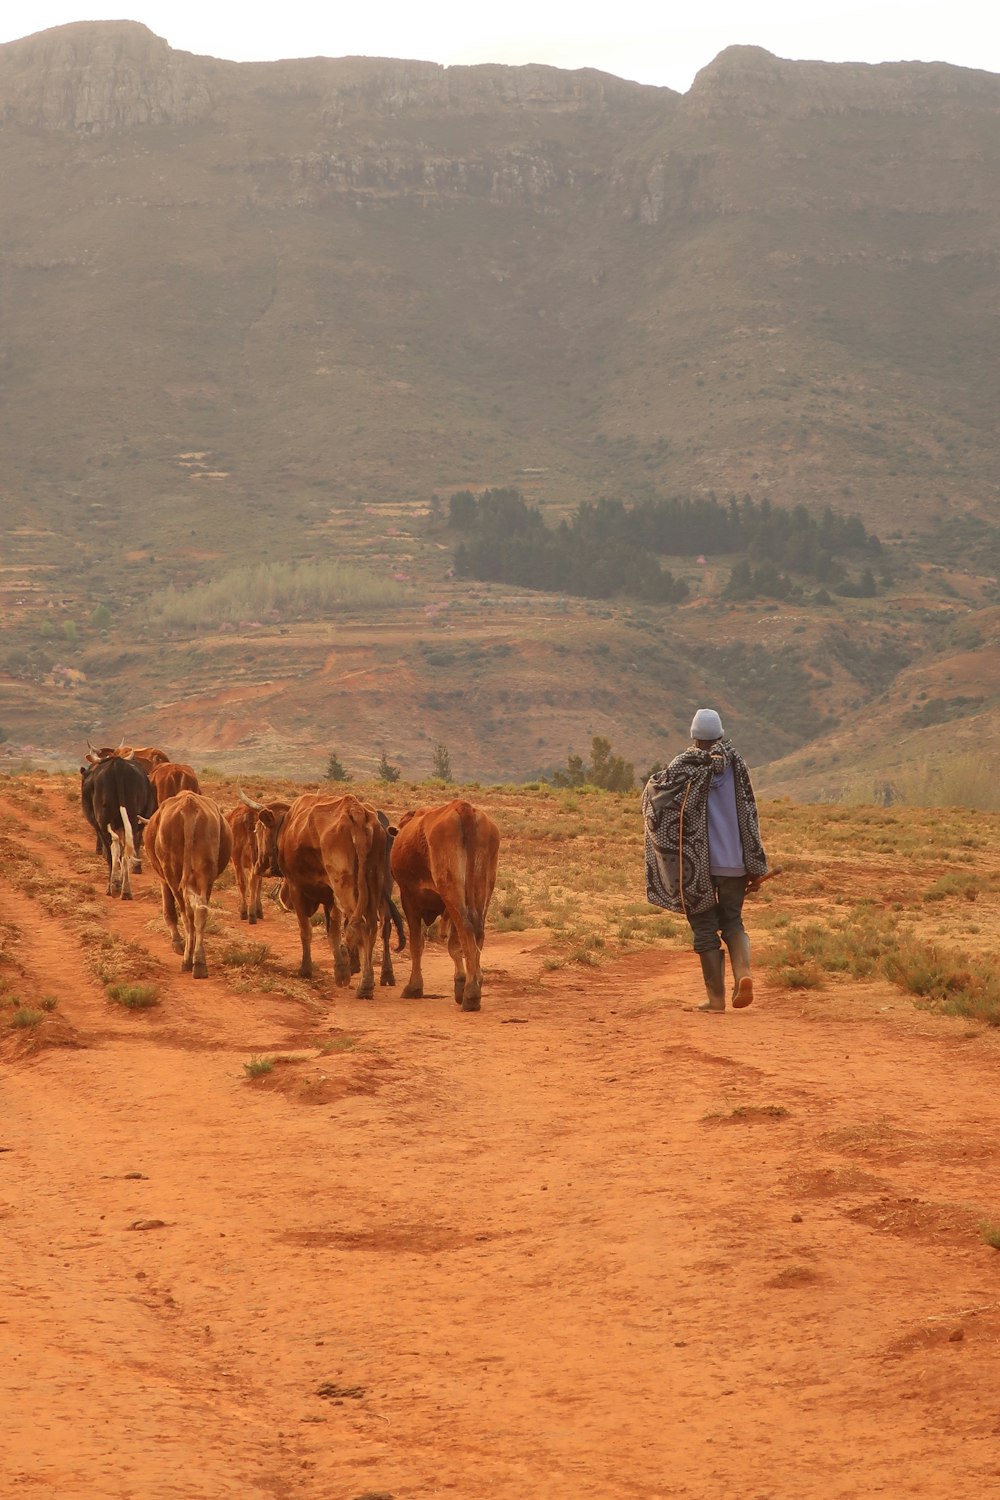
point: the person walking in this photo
(703, 853)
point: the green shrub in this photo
(24, 1017)
(257, 1067)
(133, 996)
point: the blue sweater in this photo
(725, 847)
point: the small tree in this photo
(612, 772)
(575, 773)
(69, 630)
(334, 770)
(385, 771)
(101, 617)
(442, 763)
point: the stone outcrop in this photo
(100, 76)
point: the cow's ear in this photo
(392, 830)
(266, 816)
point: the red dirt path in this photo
(585, 1245)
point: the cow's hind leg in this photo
(473, 988)
(366, 984)
(170, 917)
(415, 984)
(303, 911)
(338, 948)
(197, 908)
(455, 949)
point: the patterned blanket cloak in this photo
(675, 814)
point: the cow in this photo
(445, 861)
(251, 853)
(266, 864)
(171, 777)
(146, 756)
(188, 842)
(117, 797)
(330, 852)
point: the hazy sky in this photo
(652, 41)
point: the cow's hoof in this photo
(471, 1002)
(305, 971)
(243, 916)
(200, 971)
(413, 992)
(365, 991)
(387, 981)
(252, 919)
(259, 912)
(177, 945)
(126, 895)
(185, 966)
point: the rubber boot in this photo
(739, 958)
(713, 968)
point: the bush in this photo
(334, 770)
(386, 772)
(610, 772)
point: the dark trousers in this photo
(726, 916)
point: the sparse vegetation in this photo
(133, 996)
(277, 590)
(24, 1016)
(258, 1067)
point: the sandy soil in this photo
(585, 1245)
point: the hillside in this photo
(271, 311)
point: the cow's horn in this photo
(257, 806)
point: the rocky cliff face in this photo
(117, 76)
(96, 77)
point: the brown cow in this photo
(331, 853)
(445, 860)
(188, 842)
(251, 854)
(146, 756)
(171, 777)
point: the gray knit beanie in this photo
(706, 725)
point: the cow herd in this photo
(335, 854)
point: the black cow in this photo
(117, 797)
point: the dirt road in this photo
(585, 1245)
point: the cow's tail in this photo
(362, 835)
(393, 919)
(128, 837)
(475, 879)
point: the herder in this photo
(703, 853)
